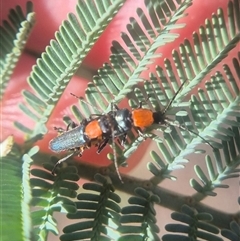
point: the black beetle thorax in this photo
(159, 117)
(124, 121)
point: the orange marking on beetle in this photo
(93, 130)
(142, 118)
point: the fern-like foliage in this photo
(16, 194)
(57, 65)
(14, 34)
(97, 211)
(125, 69)
(192, 226)
(52, 194)
(216, 106)
(139, 218)
(234, 233)
(115, 80)
(190, 61)
(145, 35)
(213, 112)
(63, 56)
(225, 168)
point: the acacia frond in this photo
(226, 168)
(116, 79)
(16, 195)
(51, 194)
(211, 115)
(14, 34)
(233, 233)
(214, 114)
(209, 112)
(62, 58)
(202, 62)
(145, 35)
(53, 71)
(139, 218)
(193, 224)
(97, 211)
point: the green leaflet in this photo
(57, 65)
(14, 34)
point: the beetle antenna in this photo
(174, 97)
(172, 123)
(82, 100)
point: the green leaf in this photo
(51, 194)
(57, 65)
(14, 34)
(16, 196)
(96, 212)
(195, 229)
(142, 215)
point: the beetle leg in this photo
(102, 145)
